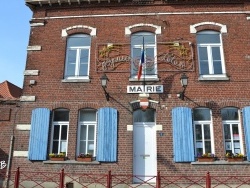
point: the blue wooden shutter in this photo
(39, 133)
(183, 134)
(107, 135)
(246, 123)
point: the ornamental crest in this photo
(171, 56)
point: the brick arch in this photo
(215, 105)
(226, 104)
(61, 105)
(87, 105)
(79, 29)
(142, 26)
(208, 25)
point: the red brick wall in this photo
(52, 93)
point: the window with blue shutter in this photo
(182, 134)
(246, 123)
(39, 133)
(107, 135)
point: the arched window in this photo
(59, 136)
(203, 132)
(87, 131)
(232, 131)
(210, 53)
(143, 42)
(77, 56)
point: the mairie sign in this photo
(145, 89)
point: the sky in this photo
(14, 38)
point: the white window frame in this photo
(209, 47)
(140, 46)
(230, 123)
(77, 63)
(202, 123)
(59, 123)
(86, 123)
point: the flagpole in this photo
(144, 71)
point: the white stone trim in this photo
(20, 154)
(128, 29)
(28, 98)
(158, 127)
(23, 127)
(76, 80)
(142, 14)
(31, 73)
(92, 33)
(222, 30)
(129, 127)
(34, 48)
(213, 77)
(36, 24)
(247, 57)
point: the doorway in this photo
(144, 146)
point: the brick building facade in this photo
(73, 43)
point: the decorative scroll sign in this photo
(172, 56)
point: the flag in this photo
(142, 60)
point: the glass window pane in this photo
(199, 148)
(64, 132)
(78, 40)
(91, 132)
(90, 147)
(208, 38)
(82, 147)
(71, 62)
(208, 147)
(137, 38)
(236, 147)
(56, 132)
(83, 70)
(61, 115)
(83, 132)
(150, 65)
(204, 69)
(207, 131)
(198, 132)
(229, 114)
(144, 116)
(216, 60)
(235, 131)
(136, 54)
(84, 57)
(202, 114)
(227, 134)
(63, 146)
(228, 147)
(203, 60)
(203, 54)
(55, 147)
(87, 115)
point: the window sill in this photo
(76, 80)
(213, 77)
(222, 162)
(142, 79)
(72, 162)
